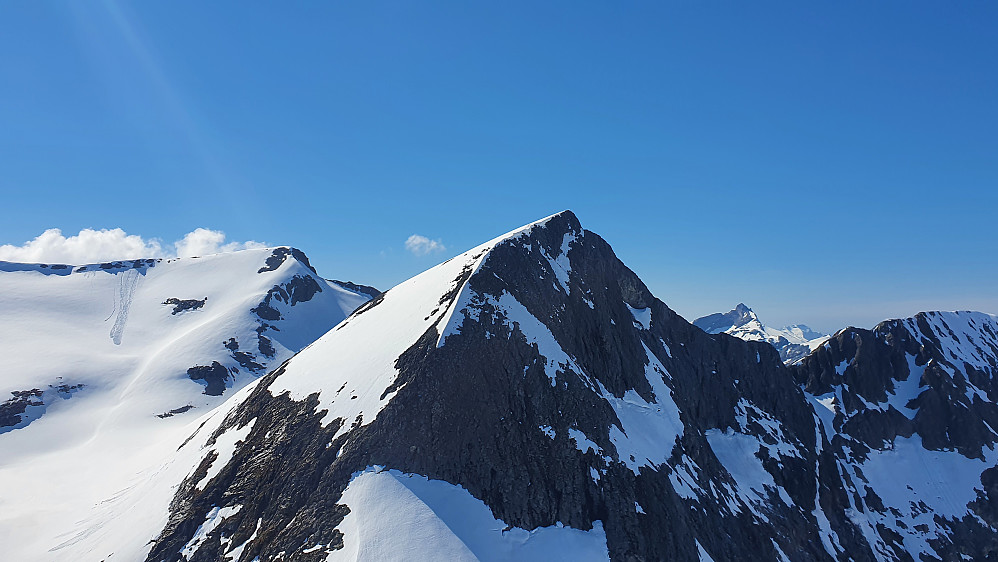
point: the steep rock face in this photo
(909, 412)
(793, 342)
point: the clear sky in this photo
(826, 163)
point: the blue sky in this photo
(828, 164)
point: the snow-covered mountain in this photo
(908, 420)
(102, 363)
(530, 399)
(793, 342)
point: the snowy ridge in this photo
(967, 337)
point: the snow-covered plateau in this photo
(107, 365)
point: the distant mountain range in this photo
(529, 399)
(793, 342)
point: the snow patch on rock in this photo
(399, 516)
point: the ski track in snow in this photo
(127, 280)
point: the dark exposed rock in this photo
(245, 360)
(866, 366)
(300, 288)
(11, 410)
(214, 377)
(266, 312)
(175, 411)
(181, 305)
(914, 378)
(363, 289)
(67, 388)
(14, 411)
(264, 345)
(279, 255)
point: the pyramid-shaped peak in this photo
(721, 322)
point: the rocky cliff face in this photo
(537, 376)
(907, 411)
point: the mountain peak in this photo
(721, 322)
(280, 254)
(793, 342)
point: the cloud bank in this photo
(421, 245)
(201, 242)
(92, 246)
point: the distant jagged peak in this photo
(793, 342)
(719, 322)
(804, 331)
(742, 310)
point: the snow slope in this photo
(104, 363)
(409, 518)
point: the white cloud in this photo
(202, 242)
(421, 245)
(93, 246)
